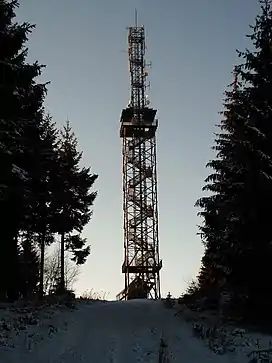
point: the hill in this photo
(130, 331)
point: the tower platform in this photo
(140, 123)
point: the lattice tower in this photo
(138, 132)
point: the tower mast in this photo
(138, 127)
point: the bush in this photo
(92, 295)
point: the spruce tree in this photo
(223, 184)
(74, 199)
(237, 225)
(29, 267)
(44, 165)
(20, 113)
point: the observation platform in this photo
(141, 269)
(132, 127)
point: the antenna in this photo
(136, 17)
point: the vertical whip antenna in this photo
(136, 18)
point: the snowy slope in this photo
(121, 332)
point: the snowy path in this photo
(120, 332)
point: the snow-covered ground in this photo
(116, 332)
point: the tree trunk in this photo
(42, 245)
(62, 263)
(12, 288)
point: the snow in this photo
(123, 332)
(23, 326)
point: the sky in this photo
(192, 46)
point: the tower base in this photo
(138, 289)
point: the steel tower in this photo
(138, 132)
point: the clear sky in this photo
(191, 44)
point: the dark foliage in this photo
(74, 199)
(42, 189)
(237, 225)
(20, 115)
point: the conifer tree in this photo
(29, 266)
(20, 113)
(74, 199)
(44, 165)
(237, 225)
